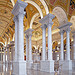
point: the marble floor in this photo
(4, 70)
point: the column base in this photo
(47, 66)
(29, 64)
(65, 65)
(19, 68)
(73, 64)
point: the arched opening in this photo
(33, 19)
(60, 14)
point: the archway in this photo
(60, 14)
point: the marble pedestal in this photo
(65, 65)
(19, 68)
(73, 64)
(29, 64)
(36, 66)
(47, 66)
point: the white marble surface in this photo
(8, 71)
(47, 66)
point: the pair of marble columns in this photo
(47, 23)
(28, 36)
(65, 28)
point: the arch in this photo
(13, 3)
(45, 6)
(34, 46)
(33, 19)
(37, 7)
(2, 43)
(32, 3)
(60, 14)
(72, 20)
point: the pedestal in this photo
(19, 68)
(47, 66)
(65, 65)
(29, 64)
(73, 64)
(36, 66)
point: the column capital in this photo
(61, 31)
(8, 45)
(47, 19)
(15, 18)
(50, 24)
(65, 27)
(28, 32)
(12, 43)
(26, 36)
(19, 7)
(4, 48)
(44, 26)
(68, 29)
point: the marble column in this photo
(12, 54)
(49, 41)
(16, 36)
(62, 46)
(8, 58)
(43, 42)
(66, 64)
(4, 67)
(29, 34)
(27, 47)
(4, 55)
(8, 53)
(20, 64)
(73, 45)
(68, 44)
(48, 65)
(30, 48)
(12, 50)
(18, 12)
(73, 61)
(1, 56)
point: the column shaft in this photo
(8, 55)
(68, 45)
(73, 47)
(12, 53)
(62, 49)
(4, 55)
(30, 48)
(27, 48)
(28, 33)
(20, 41)
(16, 38)
(43, 42)
(49, 42)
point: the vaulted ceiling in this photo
(35, 10)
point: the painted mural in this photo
(72, 6)
(52, 1)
